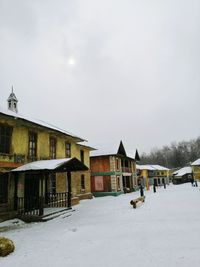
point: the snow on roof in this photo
(196, 162)
(12, 96)
(183, 171)
(151, 167)
(131, 154)
(101, 152)
(85, 144)
(38, 122)
(97, 153)
(145, 167)
(109, 152)
(160, 168)
(51, 164)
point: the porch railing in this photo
(56, 200)
(30, 205)
(34, 206)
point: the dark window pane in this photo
(3, 188)
(5, 138)
(82, 181)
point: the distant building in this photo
(183, 175)
(113, 173)
(152, 174)
(196, 169)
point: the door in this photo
(31, 192)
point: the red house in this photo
(113, 174)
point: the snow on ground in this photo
(106, 232)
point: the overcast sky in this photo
(106, 70)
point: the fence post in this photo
(69, 189)
(41, 206)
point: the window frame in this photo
(52, 147)
(82, 182)
(68, 152)
(82, 156)
(5, 138)
(32, 145)
(53, 186)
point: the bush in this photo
(6, 246)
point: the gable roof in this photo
(160, 168)
(151, 167)
(85, 145)
(12, 96)
(137, 157)
(145, 167)
(183, 171)
(121, 149)
(38, 122)
(196, 162)
(120, 153)
(65, 164)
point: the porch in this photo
(41, 205)
(33, 199)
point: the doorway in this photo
(31, 192)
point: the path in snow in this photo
(106, 232)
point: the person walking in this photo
(141, 191)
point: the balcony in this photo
(126, 169)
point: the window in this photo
(118, 184)
(82, 182)
(32, 150)
(82, 156)
(117, 163)
(3, 188)
(5, 138)
(53, 148)
(52, 184)
(68, 150)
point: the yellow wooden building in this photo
(196, 169)
(24, 140)
(152, 174)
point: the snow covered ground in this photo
(106, 232)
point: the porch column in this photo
(69, 189)
(41, 201)
(15, 191)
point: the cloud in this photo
(136, 67)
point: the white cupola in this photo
(12, 102)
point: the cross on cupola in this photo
(12, 102)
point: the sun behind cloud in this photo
(71, 61)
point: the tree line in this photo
(176, 155)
